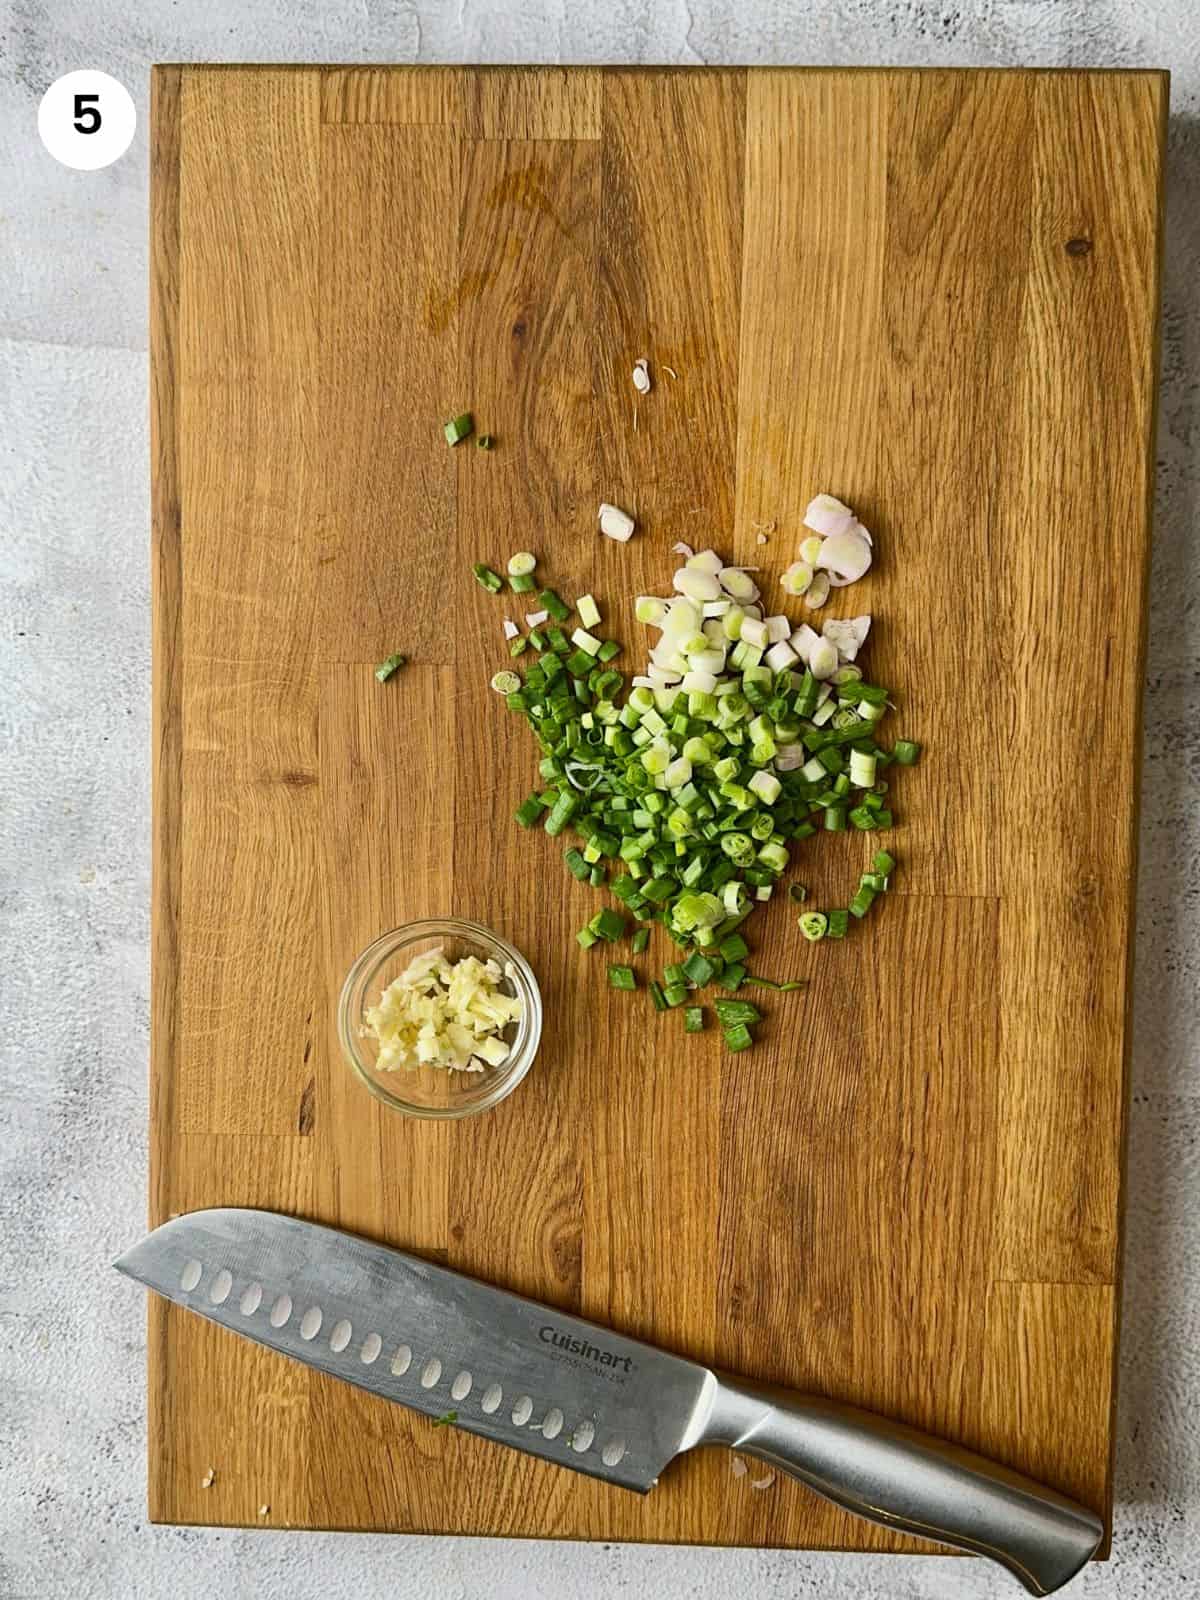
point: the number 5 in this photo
(87, 118)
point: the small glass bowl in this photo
(435, 1092)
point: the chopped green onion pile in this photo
(686, 789)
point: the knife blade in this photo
(434, 1340)
(582, 1396)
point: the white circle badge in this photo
(86, 120)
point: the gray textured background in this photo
(74, 813)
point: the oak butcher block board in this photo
(932, 293)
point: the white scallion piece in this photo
(642, 682)
(662, 677)
(510, 629)
(766, 786)
(615, 523)
(755, 632)
(682, 618)
(789, 757)
(682, 549)
(737, 584)
(828, 516)
(589, 611)
(845, 556)
(678, 773)
(797, 578)
(648, 608)
(586, 641)
(641, 376)
(705, 561)
(534, 619)
(778, 629)
(809, 550)
(823, 659)
(781, 656)
(699, 682)
(764, 891)
(847, 635)
(803, 640)
(707, 661)
(760, 538)
(697, 585)
(818, 591)
(716, 608)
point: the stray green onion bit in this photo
(640, 941)
(557, 608)
(732, 1012)
(693, 1019)
(505, 682)
(485, 441)
(699, 969)
(798, 893)
(385, 669)
(521, 564)
(608, 924)
(621, 978)
(738, 1037)
(446, 1420)
(529, 811)
(814, 925)
(458, 428)
(489, 580)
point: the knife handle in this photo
(900, 1478)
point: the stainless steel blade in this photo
(509, 1368)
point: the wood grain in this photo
(932, 292)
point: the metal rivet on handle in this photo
(310, 1323)
(583, 1436)
(522, 1411)
(191, 1276)
(553, 1424)
(251, 1299)
(281, 1310)
(431, 1372)
(372, 1345)
(613, 1452)
(221, 1285)
(340, 1337)
(461, 1387)
(401, 1361)
(492, 1397)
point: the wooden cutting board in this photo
(932, 293)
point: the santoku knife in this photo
(580, 1395)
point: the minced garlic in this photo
(442, 1013)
